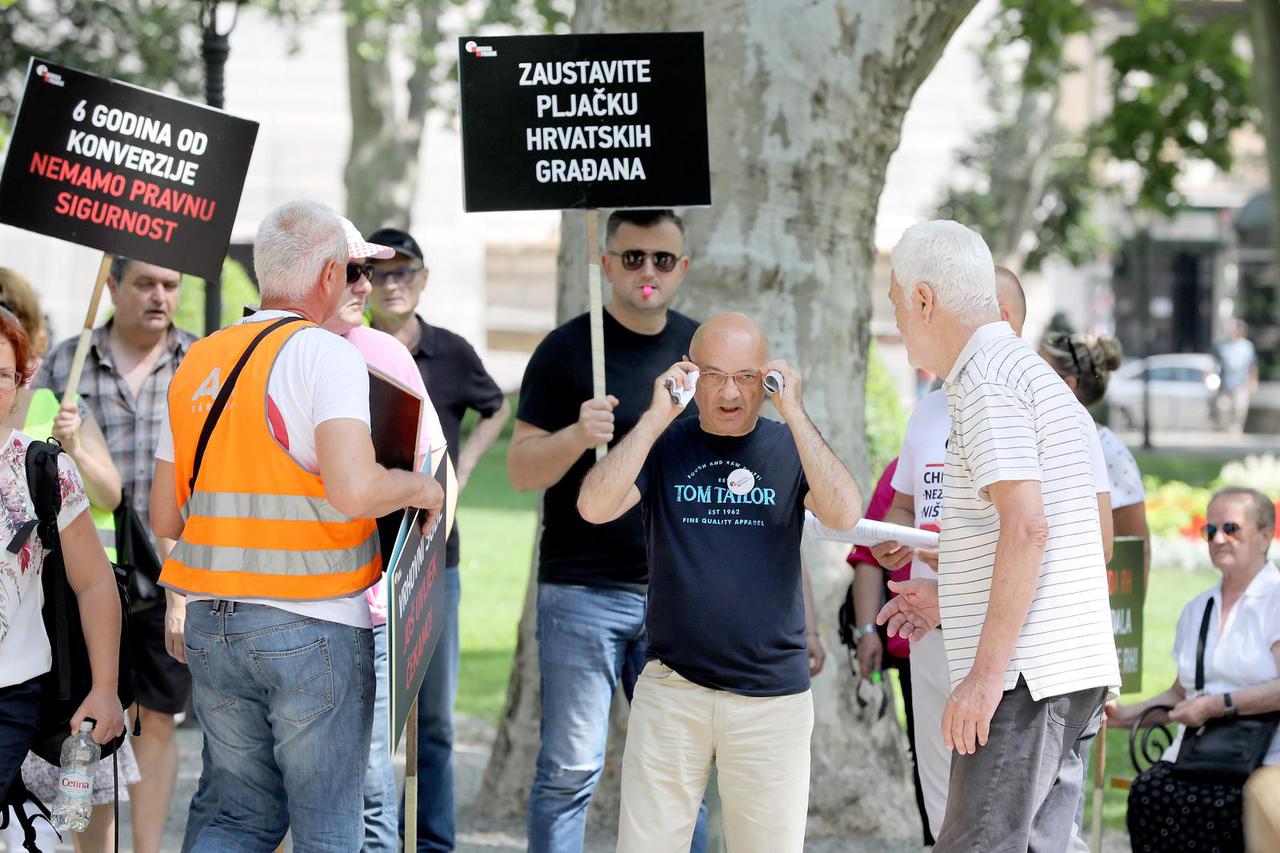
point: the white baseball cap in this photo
(358, 247)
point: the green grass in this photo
(496, 524)
(1198, 471)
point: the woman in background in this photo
(1085, 363)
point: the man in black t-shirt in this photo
(456, 381)
(592, 580)
(727, 676)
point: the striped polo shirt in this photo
(1013, 418)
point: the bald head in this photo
(729, 335)
(731, 353)
(1012, 298)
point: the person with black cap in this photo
(456, 381)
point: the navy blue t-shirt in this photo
(723, 517)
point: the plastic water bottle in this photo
(74, 806)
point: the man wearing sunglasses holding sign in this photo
(592, 580)
(726, 680)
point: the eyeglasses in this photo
(355, 271)
(8, 380)
(1229, 529)
(633, 259)
(716, 379)
(399, 275)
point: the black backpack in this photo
(66, 684)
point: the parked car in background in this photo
(1183, 387)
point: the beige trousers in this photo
(1262, 810)
(760, 746)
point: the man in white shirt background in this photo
(918, 484)
(1022, 588)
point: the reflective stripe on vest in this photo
(39, 424)
(257, 524)
(272, 561)
(267, 507)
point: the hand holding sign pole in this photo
(597, 313)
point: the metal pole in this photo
(215, 47)
(1143, 257)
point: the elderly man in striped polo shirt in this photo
(1021, 592)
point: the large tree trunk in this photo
(1264, 29)
(381, 175)
(805, 106)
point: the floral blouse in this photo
(24, 647)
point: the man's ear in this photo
(923, 300)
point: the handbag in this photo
(1224, 747)
(137, 558)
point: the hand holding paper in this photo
(867, 533)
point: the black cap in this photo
(398, 240)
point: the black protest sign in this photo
(395, 417)
(415, 607)
(584, 121)
(1126, 581)
(125, 170)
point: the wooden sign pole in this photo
(1099, 774)
(411, 780)
(82, 346)
(597, 315)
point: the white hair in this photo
(292, 246)
(953, 260)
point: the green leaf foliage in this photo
(1181, 87)
(238, 292)
(152, 43)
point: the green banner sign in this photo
(1127, 583)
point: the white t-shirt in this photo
(923, 460)
(24, 645)
(318, 376)
(1122, 468)
(1013, 418)
(1237, 655)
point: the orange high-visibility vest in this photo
(258, 524)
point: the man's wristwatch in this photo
(859, 633)
(1229, 708)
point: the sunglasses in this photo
(633, 259)
(1229, 529)
(399, 275)
(355, 271)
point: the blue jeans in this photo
(286, 705)
(203, 801)
(589, 639)
(381, 802)
(435, 729)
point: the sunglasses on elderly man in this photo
(1230, 529)
(355, 271)
(633, 259)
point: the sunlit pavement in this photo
(477, 835)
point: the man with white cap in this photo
(270, 491)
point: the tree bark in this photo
(381, 174)
(1264, 30)
(1024, 161)
(805, 106)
